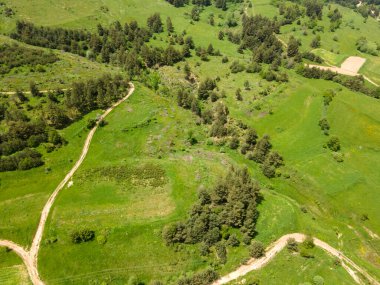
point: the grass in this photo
(149, 132)
(61, 74)
(299, 270)
(11, 270)
(335, 51)
(22, 190)
(131, 214)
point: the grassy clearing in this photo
(299, 270)
(11, 271)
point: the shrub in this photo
(292, 245)
(306, 253)
(221, 252)
(91, 123)
(256, 250)
(101, 239)
(318, 280)
(308, 243)
(233, 240)
(84, 235)
(236, 67)
(333, 143)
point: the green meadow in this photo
(320, 268)
(141, 173)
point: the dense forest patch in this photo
(13, 56)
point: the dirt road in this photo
(277, 246)
(350, 67)
(30, 257)
(28, 92)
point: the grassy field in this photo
(22, 190)
(340, 44)
(141, 173)
(298, 270)
(12, 270)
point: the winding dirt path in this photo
(30, 257)
(28, 92)
(255, 264)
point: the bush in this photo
(333, 143)
(101, 239)
(91, 123)
(308, 243)
(306, 253)
(256, 250)
(292, 245)
(221, 252)
(339, 157)
(84, 235)
(233, 241)
(318, 280)
(236, 67)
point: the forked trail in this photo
(30, 257)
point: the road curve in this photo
(30, 257)
(256, 264)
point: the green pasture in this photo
(294, 269)
(141, 173)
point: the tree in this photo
(221, 4)
(154, 23)
(293, 46)
(221, 252)
(84, 235)
(251, 137)
(256, 250)
(169, 25)
(234, 143)
(34, 89)
(221, 35)
(333, 143)
(238, 95)
(205, 87)
(195, 12)
(316, 42)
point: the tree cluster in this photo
(202, 278)
(355, 83)
(335, 19)
(232, 203)
(258, 35)
(119, 45)
(363, 45)
(290, 12)
(23, 135)
(14, 55)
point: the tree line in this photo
(354, 83)
(27, 129)
(221, 4)
(117, 44)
